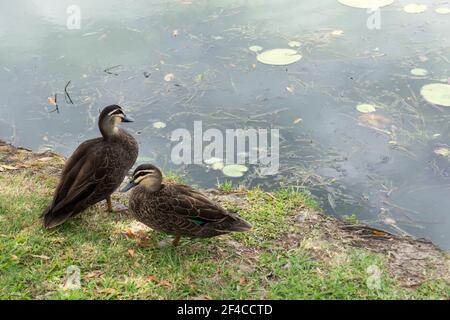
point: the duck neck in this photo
(108, 129)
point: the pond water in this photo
(388, 168)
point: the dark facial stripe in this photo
(141, 173)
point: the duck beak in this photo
(127, 119)
(129, 186)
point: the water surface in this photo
(385, 172)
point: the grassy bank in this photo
(293, 252)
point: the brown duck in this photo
(95, 170)
(178, 209)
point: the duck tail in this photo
(53, 219)
(240, 225)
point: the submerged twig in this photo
(108, 70)
(66, 94)
(56, 104)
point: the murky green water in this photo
(380, 167)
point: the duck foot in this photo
(166, 242)
(116, 207)
(176, 241)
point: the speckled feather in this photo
(93, 172)
(183, 211)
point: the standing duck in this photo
(178, 209)
(95, 170)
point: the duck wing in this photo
(83, 172)
(191, 204)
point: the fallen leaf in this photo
(165, 283)
(45, 159)
(40, 257)
(130, 234)
(242, 281)
(108, 291)
(8, 167)
(131, 252)
(51, 100)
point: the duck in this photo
(177, 209)
(94, 170)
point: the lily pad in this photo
(255, 48)
(366, 108)
(159, 125)
(419, 72)
(442, 151)
(279, 57)
(217, 166)
(213, 160)
(437, 93)
(415, 8)
(366, 4)
(442, 10)
(234, 170)
(337, 33)
(294, 44)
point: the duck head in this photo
(109, 118)
(146, 175)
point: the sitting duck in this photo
(178, 209)
(95, 169)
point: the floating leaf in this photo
(297, 120)
(436, 93)
(217, 166)
(255, 48)
(374, 120)
(442, 10)
(159, 125)
(366, 108)
(198, 78)
(213, 160)
(442, 151)
(366, 4)
(415, 8)
(337, 33)
(234, 170)
(51, 100)
(169, 77)
(279, 57)
(294, 44)
(419, 72)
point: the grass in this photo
(118, 261)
